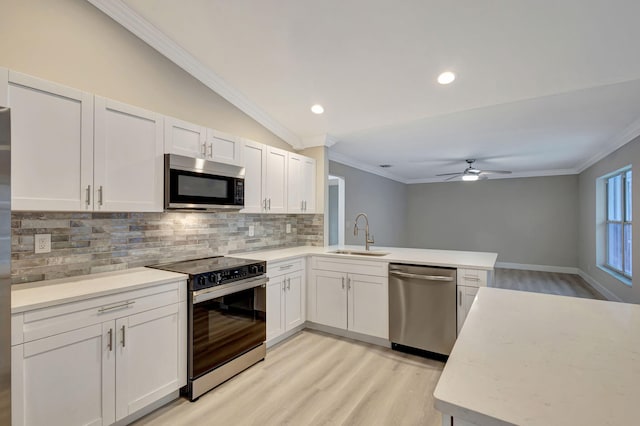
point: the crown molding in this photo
(631, 132)
(319, 140)
(348, 161)
(144, 30)
(535, 173)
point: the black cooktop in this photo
(206, 265)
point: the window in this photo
(618, 223)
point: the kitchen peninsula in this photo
(537, 359)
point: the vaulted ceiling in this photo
(543, 87)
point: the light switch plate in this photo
(42, 243)
(288, 228)
(252, 230)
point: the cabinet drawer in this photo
(45, 322)
(472, 277)
(284, 267)
(350, 266)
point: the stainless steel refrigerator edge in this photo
(5, 267)
(422, 307)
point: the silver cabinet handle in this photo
(348, 283)
(460, 298)
(302, 206)
(110, 346)
(421, 277)
(305, 206)
(283, 267)
(100, 195)
(467, 278)
(88, 197)
(265, 204)
(211, 150)
(204, 149)
(123, 343)
(122, 305)
(343, 283)
(284, 285)
(288, 283)
(269, 204)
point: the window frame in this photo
(623, 208)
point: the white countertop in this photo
(54, 292)
(536, 359)
(450, 258)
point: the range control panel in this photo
(225, 276)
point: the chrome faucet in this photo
(367, 241)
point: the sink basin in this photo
(361, 252)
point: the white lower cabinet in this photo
(469, 280)
(285, 297)
(132, 353)
(355, 302)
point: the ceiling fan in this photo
(471, 173)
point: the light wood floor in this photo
(544, 282)
(318, 379)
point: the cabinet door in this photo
(329, 298)
(61, 380)
(150, 363)
(184, 138)
(368, 305)
(295, 300)
(294, 184)
(275, 306)
(52, 145)
(255, 157)
(466, 296)
(225, 148)
(308, 183)
(276, 181)
(128, 173)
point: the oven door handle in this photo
(223, 290)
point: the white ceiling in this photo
(543, 87)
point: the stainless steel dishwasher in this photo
(422, 307)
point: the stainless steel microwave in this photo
(197, 184)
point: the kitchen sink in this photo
(361, 252)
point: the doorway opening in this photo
(336, 210)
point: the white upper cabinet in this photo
(128, 166)
(184, 138)
(255, 158)
(276, 180)
(225, 148)
(52, 145)
(301, 188)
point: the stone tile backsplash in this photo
(87, 243)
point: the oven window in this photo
(187, 187)
(226, 327)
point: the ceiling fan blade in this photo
(449, 174)
(453, 177)
(495, 172)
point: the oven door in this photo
(189, 189)
(226, 321)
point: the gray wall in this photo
(333, 214)
(383, 200)
(524, 220)
(73, 43)
(629, 154)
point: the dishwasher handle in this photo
(421, 277)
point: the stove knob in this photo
(212, 278)
(253, 269)
(202, 281)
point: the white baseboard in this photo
(543, 268)
(599, 287)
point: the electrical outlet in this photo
(288, 228)
(252, 230)
(42, 243)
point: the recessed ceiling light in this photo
(317, 109)
(385, 166)
(446, 77)
(470, 178)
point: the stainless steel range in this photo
(227, 318)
